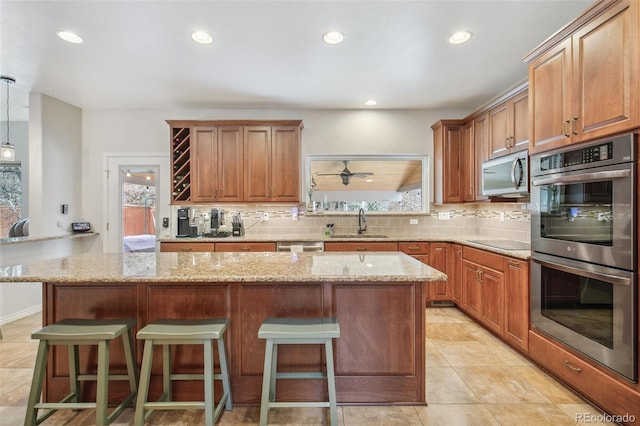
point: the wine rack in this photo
(181, 162)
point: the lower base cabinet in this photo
(517, 303)
(612, 395)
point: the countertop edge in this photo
(27, 240)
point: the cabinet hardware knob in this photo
(514, 263)
(564, 128)
(573, 123)
(187, 249)
(459, 254)
(571, 366)
(361, 249)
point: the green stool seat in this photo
(73, 333)
(297, 331)
(184, 332)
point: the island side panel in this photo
(380, 356)
(89, 301)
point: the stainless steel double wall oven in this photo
(583, 238)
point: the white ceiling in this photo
(269, 54)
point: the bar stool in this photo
(72, 333)
(297, 331)
(184, 332)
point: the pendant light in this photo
(7, 151)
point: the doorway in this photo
(136, 185)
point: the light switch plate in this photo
(413, 221)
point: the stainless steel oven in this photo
(583, 239)
(588, 307)
(583, 202)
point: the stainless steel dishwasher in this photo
(300, 246)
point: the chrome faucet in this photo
(361, 219)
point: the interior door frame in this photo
(114, 163)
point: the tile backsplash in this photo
(494, 220)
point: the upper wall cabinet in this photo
(583, 82)
(235, 161)
(509, 125)
(448, 154)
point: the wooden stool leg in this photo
(209, 394)
(266, 382)
(102, 389)
(36, 384)
(166, 372)
(224, 372)
(145, 376)
(274, 373)
(132, 370)
(74, 384)
(331, 382)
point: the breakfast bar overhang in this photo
(378, 299)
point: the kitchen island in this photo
(378, 299)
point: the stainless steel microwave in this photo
(506, 176)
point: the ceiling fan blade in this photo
(362, 175)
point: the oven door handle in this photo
(613, 279)
(582, 177)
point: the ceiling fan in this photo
(346, 174)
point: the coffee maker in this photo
(217, 220)
(184, 224)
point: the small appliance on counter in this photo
(217, 221)
(185, 229)
(237, 226)
(81, 227)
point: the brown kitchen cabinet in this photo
(180, 164)
(448, 149)
(171, 246)
(360, 246)
(583, 82)
(469, 163)
(246, 246)
(516, 296)
(211, 148)
(509, 124)
(480, 152)
(483, 287)
(438, 255)
(272, 157)
(417, 250)
(454, 272)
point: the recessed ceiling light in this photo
(371, 102)
(369, 180)
(201, 37)
(333, 37)
(459, 37)
(70, 37)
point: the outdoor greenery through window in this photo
(10, 197)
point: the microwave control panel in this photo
(576, 157)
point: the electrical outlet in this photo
(501, 216)
(265, 216)
(601, 217)
(413, 221)
(443, 216)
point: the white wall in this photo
(54, 165)
(325, 132)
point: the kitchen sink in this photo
(359, 236)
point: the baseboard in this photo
(21, 314)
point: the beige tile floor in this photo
(472, 379)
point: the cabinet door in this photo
(454, 273)
(481, 150)
(285, 164)
(468, 163)
(230, 165)
(204, 161)
(499, 130)
(519, 122)
(257, 159)
(550, 98)
(605, 67)
(471, 290)
(516, 307)
(439, 290)
(239, 246)
(492, 298)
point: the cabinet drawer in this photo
(414, 248)
(483, 257)
(357, 246)
(612, 395)
(178, 247)
(238, 246)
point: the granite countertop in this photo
(225, 267)
(468, 240)
(26, 240)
